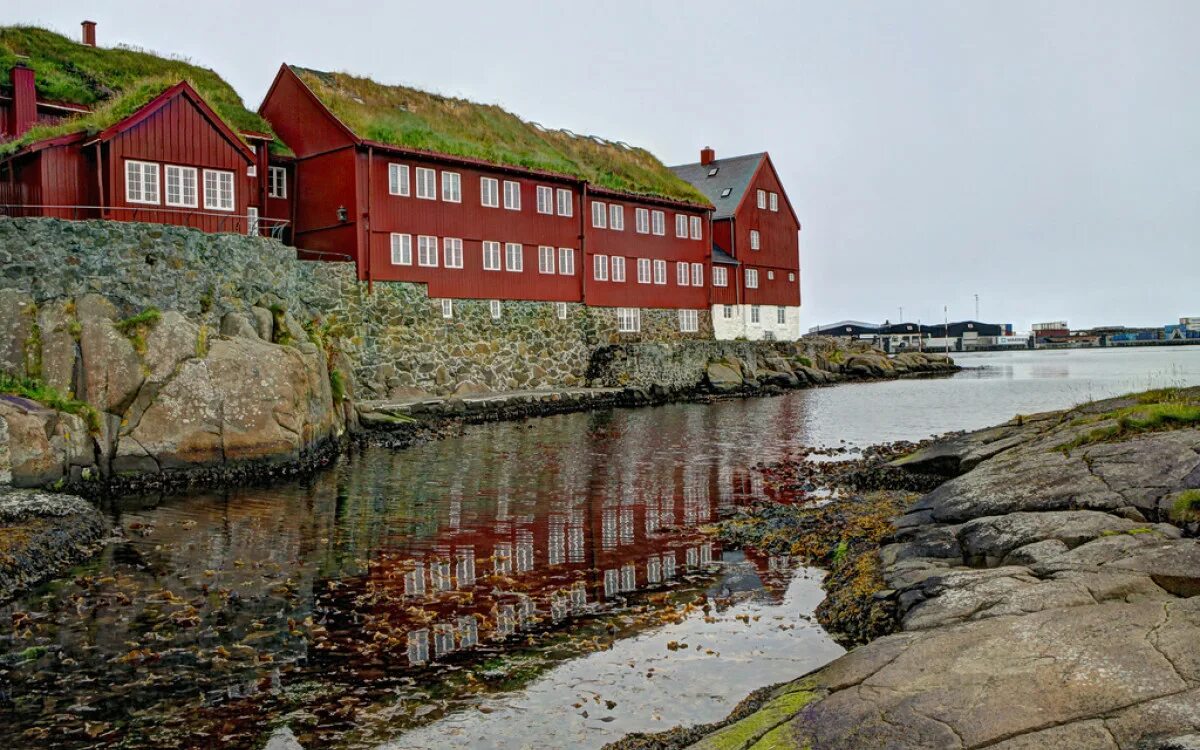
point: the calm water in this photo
(537, 584)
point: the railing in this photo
(208, 221)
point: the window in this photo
(252, 170)
(277, 182)
(398, 179)
(513, 257)
(660, 272)
(427, 254)
(697, 228)
(762, 198)
(658, 222)
(791, 277)
(447, 308)
(512, 195)
(452, 187)
(629, 319)
(697, 274)
(689, 321)
(545, 200)
(600, 267)
(770, 275)
(681, 274)
(618, 268)
(599, 215)
(426, 184)
(545, 259)
(754, 240)
(681, 226)
(781, 315)
(181, 186)
(491, 256)
(141, 182)
(565, 204)
(774, 201)
(560, 309)
(489, 192)
(566, 261)
(401, 249)
(728, 312)
(643, 268)
(752, 278)
(218, 190)
(720, 276)
(452, 251)
(713, 172)
(495, 306)
(641, 220)
(252, 221)
(725, 193)
(755, 312)
(616, 218)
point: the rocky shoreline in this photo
(1046, 594)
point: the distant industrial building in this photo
(961, 336)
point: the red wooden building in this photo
(471, 227)
(756, 239)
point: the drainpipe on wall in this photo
(100, 177)
(583, 265)
(367, 219)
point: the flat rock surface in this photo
(42, 534)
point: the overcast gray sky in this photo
(1043, 155)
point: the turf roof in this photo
(407, 117)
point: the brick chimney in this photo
(89, 33)
(23, 114)
(707, 155)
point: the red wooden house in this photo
(756, 239)
(484, 222)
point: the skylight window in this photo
(725, 193)
(713, 172)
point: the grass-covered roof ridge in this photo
(410, 118)
(67, 71)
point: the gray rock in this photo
(264, 323)
(724, 377)
(990, 539)
(42, 535)
(16, 324)
(239, 324)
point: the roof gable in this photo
(725, 188)
(181, 90)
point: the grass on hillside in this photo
(35, 390)
(1186, 507)
(1157, 410)
(406, 117)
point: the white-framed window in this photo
(599, 215)
(398, 179)
(643, 268)
(697, 228)
(566, 206)
(728, 312)
(218, 190)
(252, 170)
(427, 251)
(755, 313)
(660, 272)
(560, 310)
(452, 252)
(489, 192)
(426, 183)
(452, 187)
(752, 278)
(276, 182)
(681, 226)
(616, 217)
(755, 240)
(618, 268)
(545, 199)
(791, 276)
(252, 221)
(629, 319)
(720, 276)
(566, 261)
(141, 182)
(781, 315)
(697, 274)
(774, 201)
(491, 255)
(545, 259)
(770, 275)
(495, 308)
(641, 220)
(689, 321)
(600, 267)
(181, 186)
(447, 308)
(401, 249)
(514, 257)
(512, 195)
(762, 198)
(658, 223)
(682, 274)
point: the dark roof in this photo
(720, 256)
(734, 173)
(955, 330)
(900, 328)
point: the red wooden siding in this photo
(299, 119)
(319, 186)
(777, 291)
(779, 241)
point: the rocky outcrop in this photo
(43, 534)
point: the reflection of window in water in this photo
(503, 558)
(443, 638)
(524, 551)
(706, 553)
(439, 575)
(626, 525)
(612, 583)
(668, 564)
(506, 620)
(653, 570)
(628, 577)
(414, 581)
(464, 569)
(652, 517)
(527, 612)
(468, 632)
(778, 563)
(696, 505)
(502, 508)
(556, 551)
(693, 557)
(560, 605)
(418, 646)
(454, 520)
(575, 544)
(756, 483)
(666, 514)
(608, 528)
(579, 596)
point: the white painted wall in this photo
(740, 325)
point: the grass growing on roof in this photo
(402, 116)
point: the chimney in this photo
(707, 155)
(23, 114)
(89, 33)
